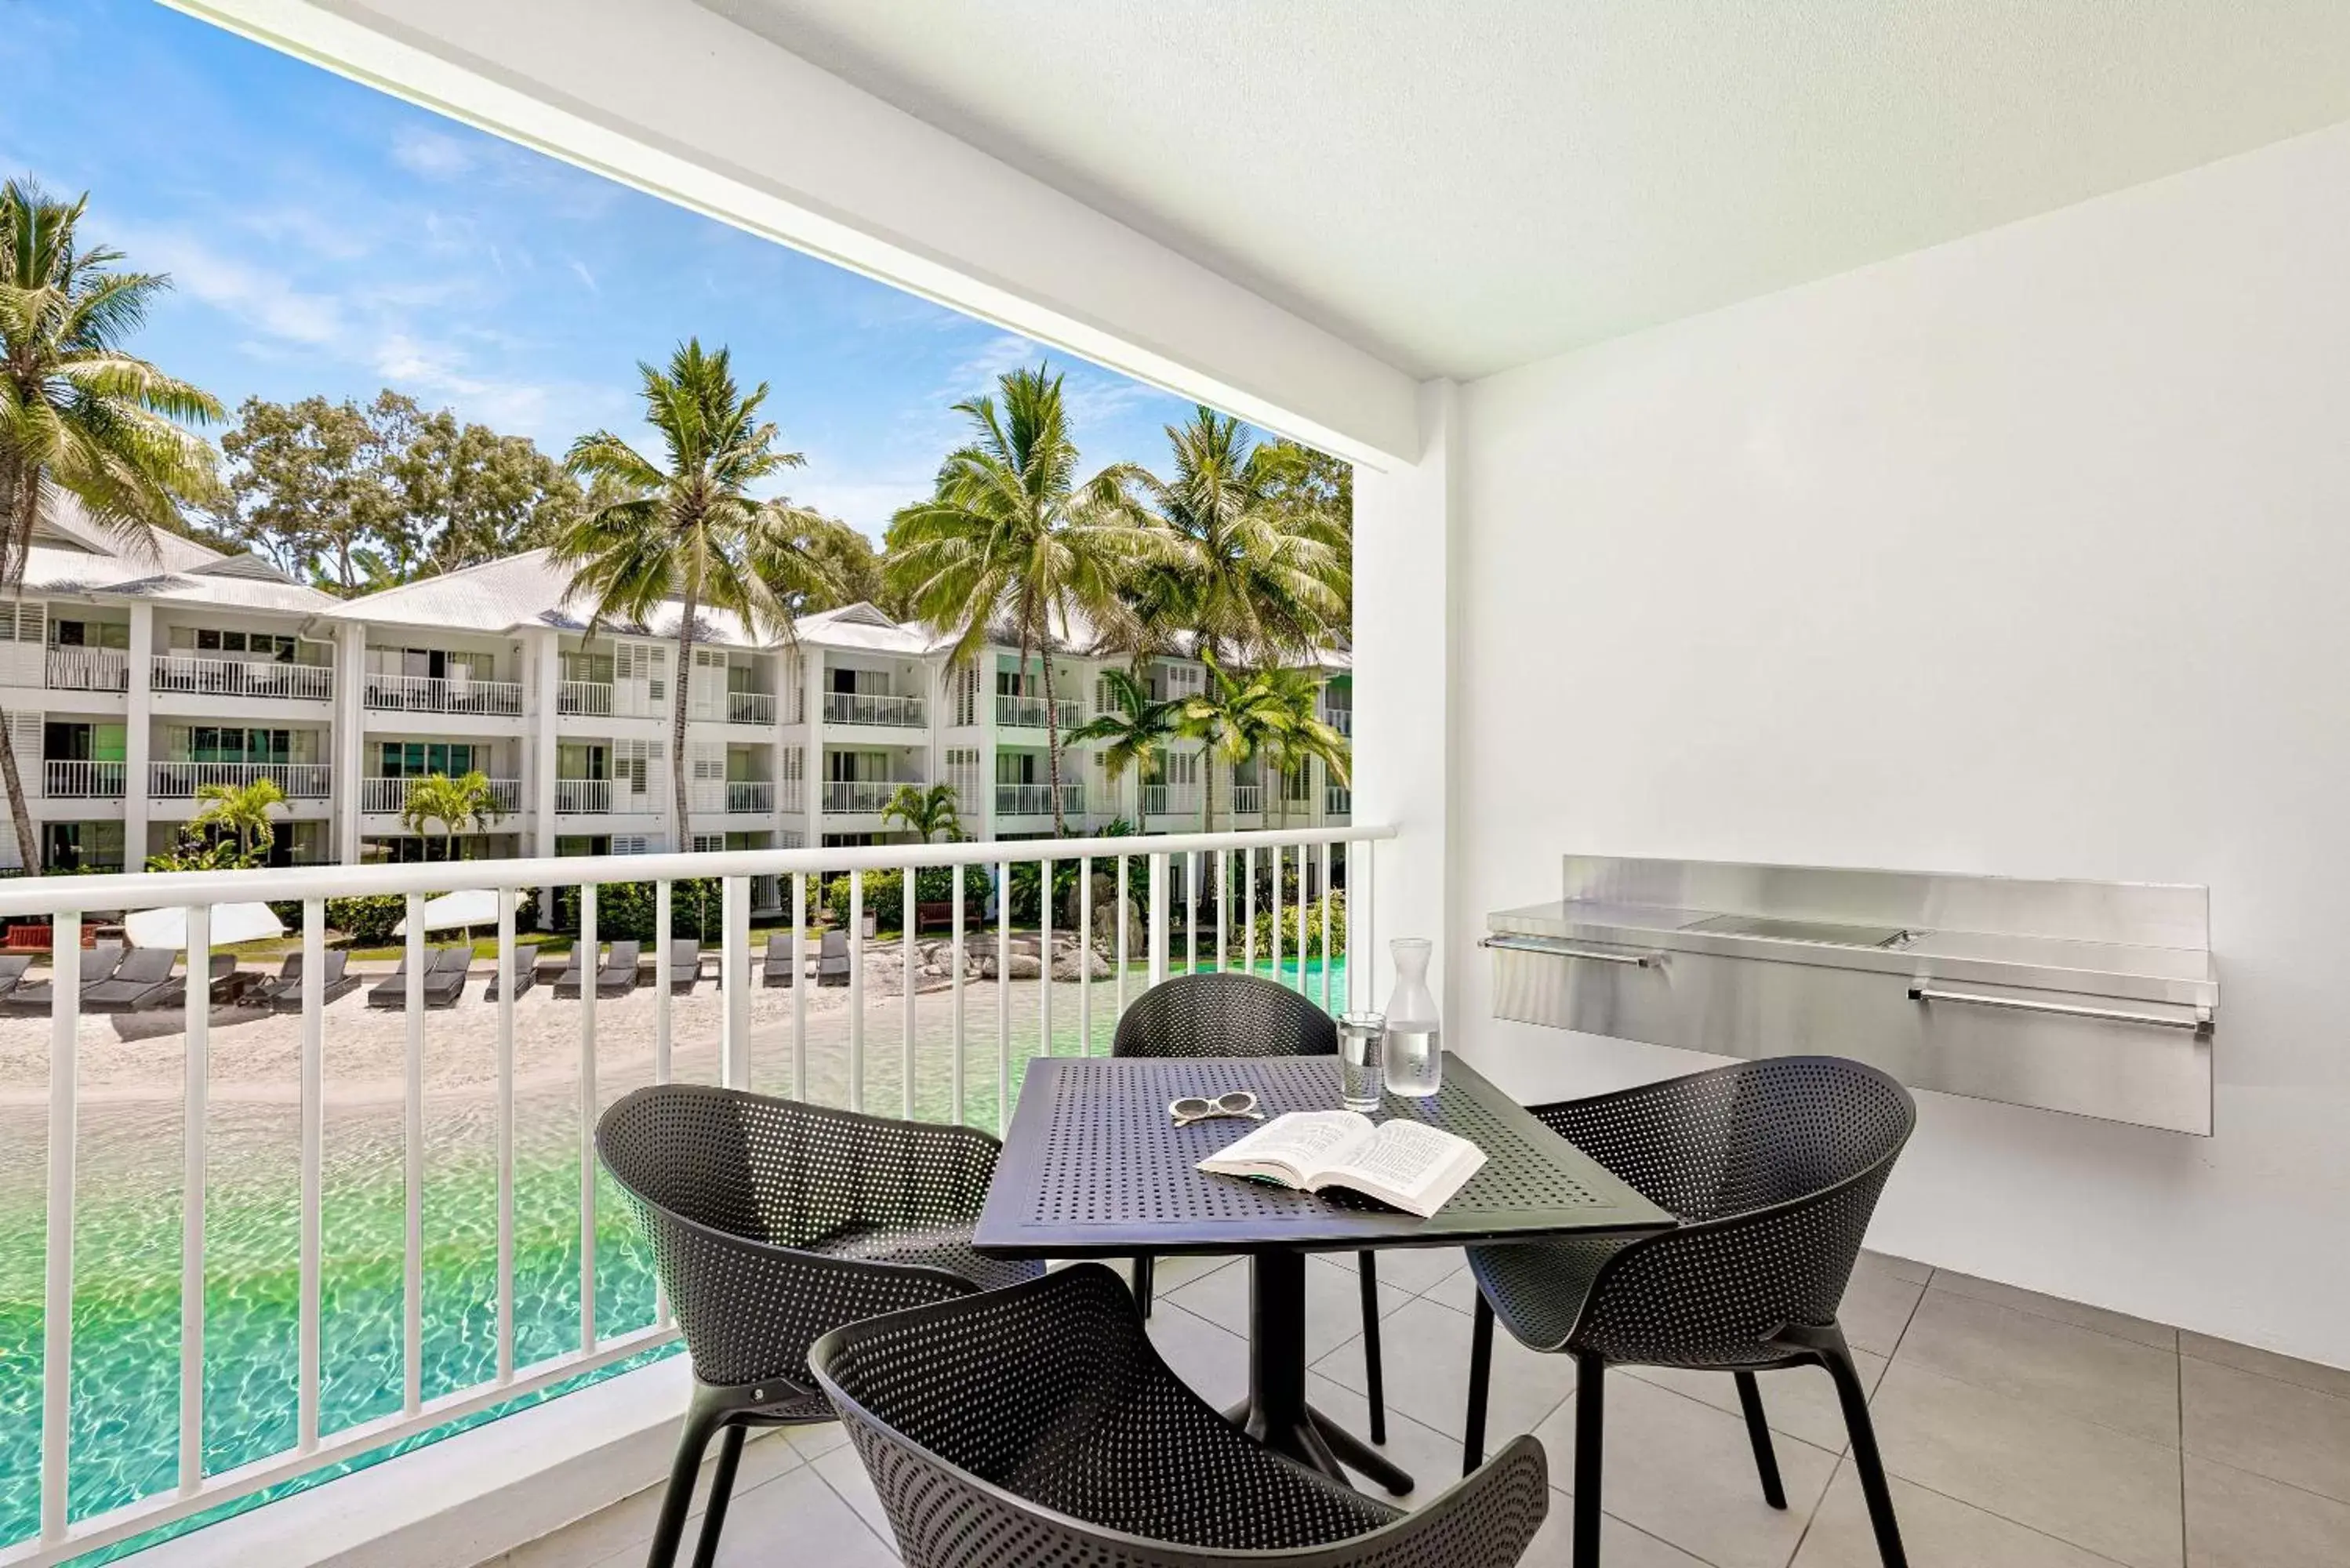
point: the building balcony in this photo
(1028, 712)
(1037, 800)
(732, 796)
(593, 697)
(388, 796)
(750, 707)
(86, 670)
(180, 779)
(68, 780)
(180, 672)
(860, 708)
(1337, 800)
(582, 797)
(1248, 800)
(1170, 800)
(856, 797)
(443, 694)
(1339, 719)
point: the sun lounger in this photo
(783, 964)
(832, 960)
(281, 993)
(143, 980)
(617, 977)
(12, 971)
(98, 964)
(684, 964)
(526, 972)
(444, 980)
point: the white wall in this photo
(2027, 554)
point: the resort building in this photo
(130, 683)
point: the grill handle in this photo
(2200, 1022)
(1551, 949)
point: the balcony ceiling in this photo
(1463, 185)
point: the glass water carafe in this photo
(1415, 1044)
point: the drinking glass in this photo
(1361, 1071)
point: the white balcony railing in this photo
(732, 796)
(862, 797)
(1337, 800)
(1028, 712)
(594, 697)
(63, 780)
(388, 796)
(443, 694)
(243, 678)
(87, 669)
(93, 1480)
(1248, 800)
(1169, 800)
(1037, 800)
(582, 797)
(180, 779)
(750, 707)
(1339, 719)
(864, 707)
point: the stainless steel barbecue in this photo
(2095, 998)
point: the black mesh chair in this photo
(1037, 1425)
(772, 1221)
(1774, 1168)
(1243, 1016)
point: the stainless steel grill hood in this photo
(2095, 998)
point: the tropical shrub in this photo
(367, 920)
(625, 911)
(1289, 929)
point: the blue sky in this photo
(326, 238)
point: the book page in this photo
(1302, 1142)
(1409, 1164)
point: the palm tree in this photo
(687, 527)
(1135, 727)
(926, 811)
(1260, 577)
(1296, 735)
(466, 804)
(243, 812)
(77, 413)
(1235, 716)
(1012, 541)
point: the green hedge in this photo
(1289, 915)
(624, 909)
(885, 892)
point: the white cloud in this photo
(265, 300)
(430, 154)
(580, 267)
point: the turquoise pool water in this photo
(125, 1364)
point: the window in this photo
(230, 743)
(632, 763)
(22, 622)
(262, 645)
(577, 844)
(86, 633)
(962, 776)
(415, 759)
(1019, 768)
(966, 697)
(632, 844)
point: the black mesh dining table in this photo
(1094, 1166)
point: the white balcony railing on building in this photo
(443, 694)
(243, 678)
(388, 796)
(584, 697)
(862, 797)
(750, 707)
(865, 707)
(1337, 800)
(1037, 800)
(1169, 800)
(487, 1284)
(1339, 719)
(1248, 800)
(86, 670)
(1028, 712)
(65, 780)
(582, 797)
(733, 797)
(181, 780)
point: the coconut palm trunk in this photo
(1053, 751)
(679, 690)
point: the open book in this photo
(1407, 1163)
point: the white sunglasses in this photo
(1199, 1108)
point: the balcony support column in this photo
(350, 738)
(544, 681)
(138, 737)
(1408, 529)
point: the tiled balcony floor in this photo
(2021, 1430)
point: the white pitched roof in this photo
(525, 590)
(72, 554)
(863, 627)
